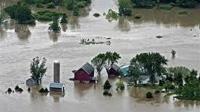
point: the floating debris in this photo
(159, 36)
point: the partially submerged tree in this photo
(107, 86)
(38, 69)
(134, 71)
(99, 62)
(125, 7)
(151, 64)
(55, 25)
(112, 57)
(103, 59)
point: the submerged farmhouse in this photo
(84, 74)
(113, 71)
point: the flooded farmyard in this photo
(128, 36)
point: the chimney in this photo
(56, 72)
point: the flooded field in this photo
(19, 44)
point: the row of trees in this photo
(152, 3)
(126, 6)
(23, 14)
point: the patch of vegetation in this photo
(51, 5)
(183, 13)
(170, 3)
(46, 15)
(165, 6)
(120, 85)
(55, 25)
(64, 19)
(125, 7)
(112, 15)
(181, 81)
(144, 3)
(21, 13)
(107, 85)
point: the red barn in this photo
(113, 71)
(85, 73)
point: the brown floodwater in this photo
(129, 36)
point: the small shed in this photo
(85, 73)
(113, 70)
(56, 87)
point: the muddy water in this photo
(19, 44)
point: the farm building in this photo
(84, 74)
(113, 71)
(56, 87)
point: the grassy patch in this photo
(165, 7)
(46, 15)
(183, 13)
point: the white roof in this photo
(56, 85)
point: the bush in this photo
(9, 90)
(76, 12)
(107, 85)
(81, 4)
(125, 8)
(166, 7)
(112, 15)
(55, 25)
(120, 85)
(42, 90)
(149, 95)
